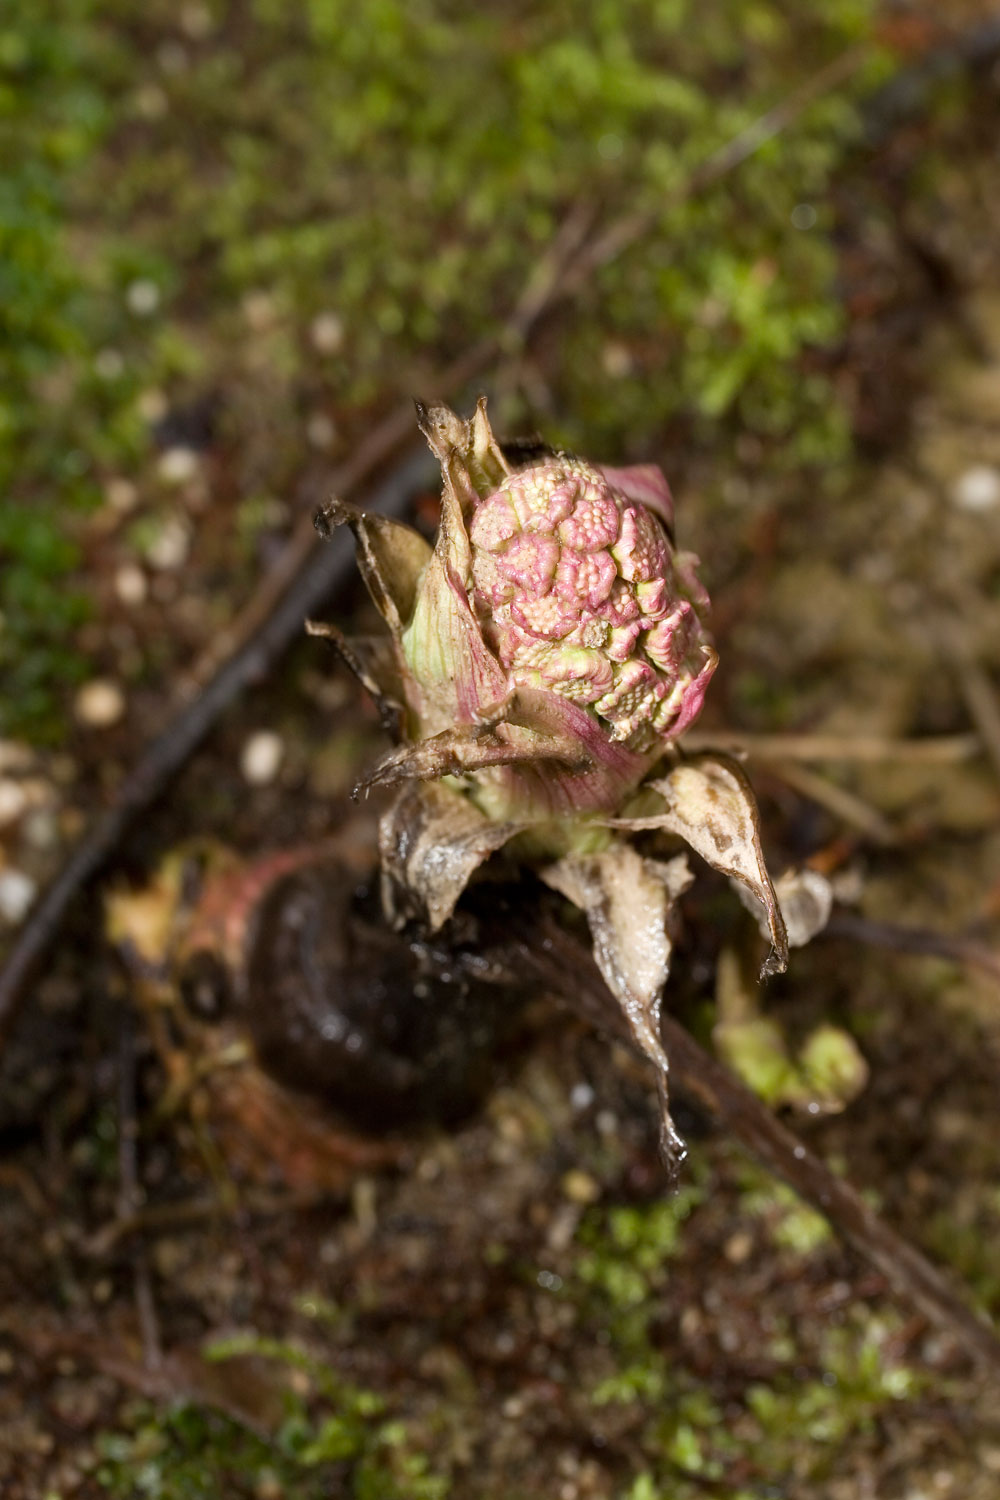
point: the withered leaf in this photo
(372, 659)
(470, 748)
(709, 803)
(391, 556)
(472, 441)
(431, 841)
(627, 900)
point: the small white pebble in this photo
(17, 891)
(12, 801)
(99, 703)
(260, 310)
(41, 830)
(168, 549)
(131, 584)
(579, 1187)
(172, 57)
(121, 495)
(326, 332)
(581, 1096)
(143, 297)
(153, 405)
(320, 430)
(617, 360)
(178, 465)
(261, 757)
(978, 489)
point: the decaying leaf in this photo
(806, 901)
(431, 841)
(709, 803)
(627, 900)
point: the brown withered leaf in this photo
(469, 748)
(627, 901)
(391, 556)
(473, 441)
(709, 803)
(372, 660)
(431, 841)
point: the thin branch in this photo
(255, 654)
(936, 750)
(982, 702)
(919, 940)
(845, 805)
(552, 957)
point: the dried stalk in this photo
(563, 966)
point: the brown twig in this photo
(934, 750)
(254, 655)
(982, 702)
(923, 941)
(845, 805)
(557, 961)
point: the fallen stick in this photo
(922, 941)
(250, 661)
(553, 958)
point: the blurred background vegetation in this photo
(244, 229)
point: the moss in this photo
(337, 1432)
(812, 1407)
(272, 164)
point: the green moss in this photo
(337, 1435)
(405, 169)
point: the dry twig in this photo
(923, 941)
(566, 970)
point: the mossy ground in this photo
(232, 237)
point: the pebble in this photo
(41, 830)
(978, 489)
(260, 310)
(738, 1248)
(131, 584)
(143, 297)
(326, 332)
(17, 891)
(121, 495)
(99, 703)
(152, 405)
(178, 465)
(109, 364)
(261, 757)
(14, 756)
(12, 801)
(579, 1187)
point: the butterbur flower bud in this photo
(543, 659)
(578, 591)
